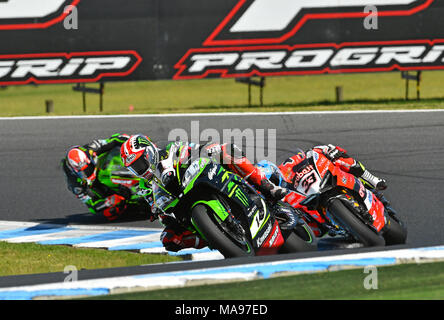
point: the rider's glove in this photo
(213, 150)
(96, 144)
(335, 152)
(154, 213)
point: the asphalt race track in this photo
(404, 147)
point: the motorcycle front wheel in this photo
(215, 232)
(395, 233)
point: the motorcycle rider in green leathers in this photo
(82, 165)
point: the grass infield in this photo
(409, 282)
(301, 93)
(29, 258)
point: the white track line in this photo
(120, 242)
(224, 114)
(54, 236)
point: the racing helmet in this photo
(82, 163)
(271, 171)
(140, 155)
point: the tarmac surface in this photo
(406, 148)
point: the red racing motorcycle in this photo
(335, 202)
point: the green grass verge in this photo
(18, 259)
(298, 93)
(410, 281)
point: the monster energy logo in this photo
(239, 195)
(141, 141)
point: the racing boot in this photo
(375, 182)
(358, 170)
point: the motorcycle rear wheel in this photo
(216, 237)
(358, 229)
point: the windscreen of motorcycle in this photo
(193, 170)
(161, 198)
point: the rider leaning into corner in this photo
(146, 160)
(286, 173)
(80, 166)
(341, 159)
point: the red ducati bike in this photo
(337, 202)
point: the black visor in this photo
(89, 170)
(140, 166)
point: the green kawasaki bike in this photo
(230, 214)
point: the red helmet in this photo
(82, 164)
(140, 155)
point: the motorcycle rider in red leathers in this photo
(341, 159)
(141, 156)
(286, 172)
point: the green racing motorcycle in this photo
(114, 175)
(229, 213)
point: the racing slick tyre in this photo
(215, 232)
(301, 239)
(395, 232)
(358, 229)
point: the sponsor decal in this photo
(309, 181)
(273, 237)
(33, 14)
(45, 68)
(299, 175)
(124, 181)
(262, 238)
(212, 172)
(260, 38)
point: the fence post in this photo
(339, 94)
(49, 106)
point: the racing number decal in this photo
(308, 182)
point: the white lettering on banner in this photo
(354, 57)
(262, 60)
(212, 60)
(401, 54)
(270, 60)
(62, 67)
(276, 15)
(26, 9)
(5, 67)
(104, 63)
(298, 59)
(39, 68)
